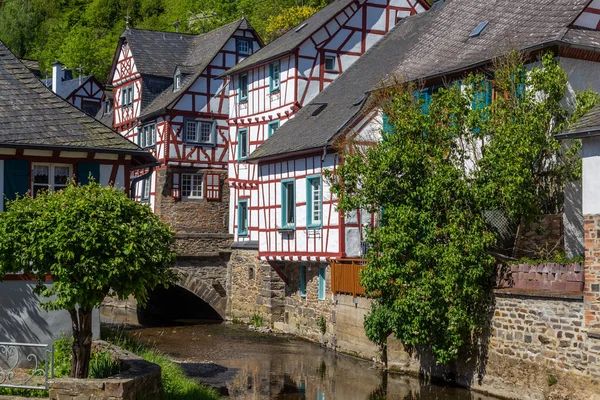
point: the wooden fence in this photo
(344, 276)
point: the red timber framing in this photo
(303, 74)
(90, 92)
(589, 17)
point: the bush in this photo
(103, 366)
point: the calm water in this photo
(244, 364)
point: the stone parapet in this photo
(547, 276)
(139, 379)
(591, 225)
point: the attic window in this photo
(177, 80)
(298, 29)
(319, 109)
(478, 29)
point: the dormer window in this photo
(177, 80)
(244, 47)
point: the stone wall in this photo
(547, 276)
(139, 379)
(540, 239)
(191, 215)
(202, 244)
(592, 272)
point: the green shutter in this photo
(85, 169)
(321, 283)
(16, 179)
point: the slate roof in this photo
(287, 42)
(32, 116)
(67, 87)
(586, 126)
(429, 45)
(200, 51)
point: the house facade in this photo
(177, 108)
(45, 142)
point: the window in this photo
(272, 128)
(50, 177)
(244, 46)
(274, 75)
(243, 148)
(127, 96)
(146, 186)
(90, 107)
(330, 64)
(213, 187)
(148, 135)
(243, 218)
(322, 272)
(202, 132)
(243, 87)
(303, 281)
(177, 80)
(288, 204)
(314, 202)
(191, 186)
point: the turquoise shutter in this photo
(321, 283)
(424, 96)
(85, 169)
(16, 179)
(387, 127)
(303, 281)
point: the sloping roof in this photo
(32, 116)
(586, 126)
(429, 45)
(202, 50)
(67, 87)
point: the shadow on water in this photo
(244, 364)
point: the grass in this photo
(176, 385)
(256, 320)
(102, 365)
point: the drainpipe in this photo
(136, 179)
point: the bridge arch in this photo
(208, 290)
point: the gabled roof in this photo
(67, 88)
(426, 46)
(293, 38)
(32, 116)
(587, 126)
(201, 51)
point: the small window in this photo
(479, 29)
(244, 46)
(201, 132)
(322, 280)
(90, 107)
(127, 96)
(330, 64)
(50, 177)
(302, 281)
(177, 81)
(275, 81)
(191, 186)
(146, 185)
(243, 87)
(288, 204)
(272, 128)
(314, 203)
(243, 218)
(213, 187)
(147, 135)
(243, 148)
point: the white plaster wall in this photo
(591, 176)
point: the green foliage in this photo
(102, 365)
(176, 385)
(432, 179)
(277, 25)
(552, 380)
(256, 320)
(322, 324)
(86, 32)
(62, 357)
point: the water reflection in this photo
(244, 364)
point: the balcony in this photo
(344, 276)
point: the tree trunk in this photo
(82, 342)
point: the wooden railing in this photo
(344, 276)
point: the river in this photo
(245, 364)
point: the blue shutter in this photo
(16, 179)
(425, 97)
(321, 283)
(303, 281)
(387, 127)
(85, 169)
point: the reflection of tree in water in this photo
(380, 393)
(322, 370)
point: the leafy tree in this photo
(441, 168)
(278, 24)
(94, 242)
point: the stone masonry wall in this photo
(547, 235)
(191, 215)
(591, 225)
(202, 244)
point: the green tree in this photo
(278, 24)
(94, 242)
(443, 164)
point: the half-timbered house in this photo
(296, 225)
(168, 98)
(45, 142)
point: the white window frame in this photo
(197, 137)
(51, 184)
(127, 96)
(148, 131)
(177, 81)
(248, 49)
(334, 59)
(194, 179)
(146, 190)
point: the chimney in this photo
(56, 76)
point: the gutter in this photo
(592, 132)
(137, 179)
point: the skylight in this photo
(477, 31)
(298, 29)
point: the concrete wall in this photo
(23, 320)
